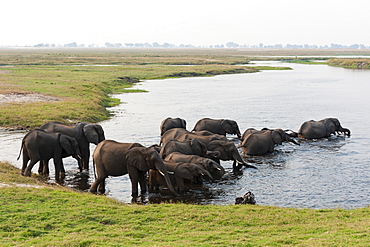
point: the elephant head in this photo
(142, 159)
(190, 171)
(231, 127)
(170, 123)
(69, 146)
(94, 133)
(333, 125)
(228, 151)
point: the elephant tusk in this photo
(161, 173)
(239, 162)
(169, 173)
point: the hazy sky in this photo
(200, 22)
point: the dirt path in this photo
(16, 97)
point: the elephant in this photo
(181, 171)
(113, 158)
(193, 146)
(84, 133)
(218, 126)
(170, 123)
(321, 129)
(263, 142)
(215, 169)
(228, 151)
(39, 145)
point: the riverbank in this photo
(44, 214)
(75, 85)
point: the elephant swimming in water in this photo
(321, 129)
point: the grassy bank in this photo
(83, 79)
(55, 216)
(350, 63)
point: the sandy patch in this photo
(20, 185)
(25, 98)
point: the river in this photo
(327, 173)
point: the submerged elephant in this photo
(179, 173)
(39, 145)
(263, 141)
(218, 126)
(84, 133)
(228, 151)
(170, 123)
(113, 158)
(321, 129)
(215, 169)
(193, 146)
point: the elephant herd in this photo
(182, 157)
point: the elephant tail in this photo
(20, 151)
(94, 169)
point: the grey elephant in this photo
(215, 169)
(113, 158)
(321, 129)
(193, 146)
(39, 145)
(84, 133)
(228, 151)
(218, 126)
(264, 141)
(170, 123)
(179, 173)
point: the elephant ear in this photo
(136, 158)
(183, 123)
(276, 137)
(91, 133)
(227, 126)
(66, 144)
(198, 147)
(330, 125)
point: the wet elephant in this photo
(218, 126)
(215, 169)
(170, 123)
(228, 151)
(321, 129)
(193, 146)
(84, 133)
(39, 145)
(264, 141)
(113, 158)
(179, 173)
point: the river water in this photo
(327, 173)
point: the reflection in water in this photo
(325, 173)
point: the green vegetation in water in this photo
(51, 215)
(351, 63)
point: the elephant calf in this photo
(39, 145)
(179, 173)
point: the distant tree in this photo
(73, 44)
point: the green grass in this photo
(57, 216)
(84, 90)
(351, 63)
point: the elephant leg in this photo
(27, 171)
(98, 184)
(58, 164)
(41, 167)
(180, 184)
(142, 182)
(134, 177)
(153, 182)
(25, 160)
(237, 167)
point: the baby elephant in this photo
(39, 145)
(178, 172)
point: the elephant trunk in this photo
(346, 131)
(163, 171)
(291, 140)
(240, 161)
